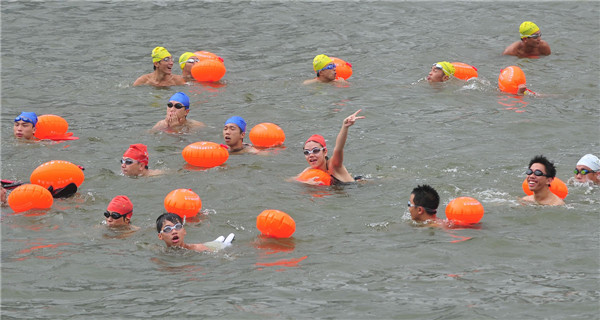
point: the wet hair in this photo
(550, 168)
(160, 221)
(426, 197)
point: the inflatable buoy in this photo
(275, 223)
(53, 127)
(205, 154)
(183, 202)
(58, 174)
(557, 186)
(342, 68)
(464, 71)
(267, 135)
(208, 70)
(510, 78)
(202, 55)
(464, 210)
(30, 196)
(322, 177)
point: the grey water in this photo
(354, 254)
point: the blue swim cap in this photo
(238, 121)
(27, 117)
(181, 97)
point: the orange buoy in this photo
(58, 174)
(342, 68)
(275, 223)
(510, 78)
(183, 202)
(267, 135)
(557, 186)
(30, 196)
(202, 55)
(205, 154)
(464, 210)
(464, 71)
(50, 125)
(208, 70)
(322, 177)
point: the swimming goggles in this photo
(537, 173)
(428, 210)
(192, 60)
(313, 151)
(168, 229)
(21, 118)
(328, 67)
(127, 161)
(177, 105)
(167, 59)
(535, 36)
(115, 215)
(583, 171)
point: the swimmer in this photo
(325, 69)
(531, 43)
(315, 152)
(440, 72)
(119, 207)
(588, 169)
(135, 162)
(171, 230)
(176, 120)
(162, 76)
(186, 62)
(24, 127)
(233, 133)
(540, 174)
(423, 204)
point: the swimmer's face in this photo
(165, 65)
(233, 135)
(173, 111)
(436, 75)
(537, 183)
(120, 222)
(187, 68)
(533, 41)
(413, 209)
(23, 130)
(590, 176)
(132, 168)
(173, 238)
(328, 74)
(315, 160)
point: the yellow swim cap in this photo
(528, 28)
(183, 58)
(446, 66)
(321, 61)
(159, 53)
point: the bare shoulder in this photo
(512, 49)
(142, 80)
(309, 81)
(545, 48)
(179, 80)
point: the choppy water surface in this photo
(353, 255)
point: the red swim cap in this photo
(318, 139)
(137, 152)
(122, 205)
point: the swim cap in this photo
(590, 161)
(318, 139)
(27, 117)
(181, 97)
(446, 66)
(183, 58)
(122, 205)
(137, 152)
(238, 121)
(321, 61)
(159, 53)
(528, 28)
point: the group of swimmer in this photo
(423, 201)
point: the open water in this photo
(354, 254)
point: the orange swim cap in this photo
(318, 139)
(138, 152)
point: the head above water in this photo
(549, 166)
(181, 98)
(238, 121)
(173, 218)
(318, 139)
(425, 196)
(527, 28)
(121, 205)
(30, 117)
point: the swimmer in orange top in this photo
(315, 152)
(24, 127)
(176, 120)
(440, 72)
(162, 76)
(325, 69)
(233, 133)
(135, 162)
(531, 43)
(171, 230)
(186, 62)
(540, 174)
(423, 204)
